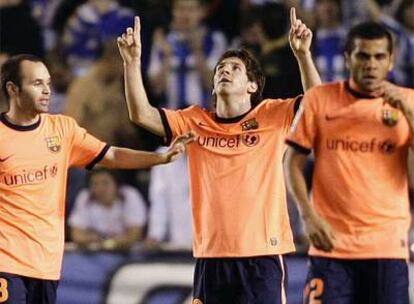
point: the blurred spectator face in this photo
(327, 12)
(369, 63)
(187, 14)
(103, 187)
(408, 17)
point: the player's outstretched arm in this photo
(300, 38)
(317, 230)
(140, 110)
(123, 158)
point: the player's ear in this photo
(252, 87)
(11, 88)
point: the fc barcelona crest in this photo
(389, 117)
(53, 143)
(250, 124)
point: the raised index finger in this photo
(292, 15)
(137, 27)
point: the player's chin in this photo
(370, 85)
(43, 109)
(223, 91)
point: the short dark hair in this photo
(253, 70)
(10, 71)
(367, 30)
(114, 176)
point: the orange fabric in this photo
(33, 172)
(360, 182)
(237, 187)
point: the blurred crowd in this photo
(182, 41)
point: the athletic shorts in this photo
(256, 280)
(16, 289)
(368, 281)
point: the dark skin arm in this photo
(318, 231)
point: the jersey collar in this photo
(11, 125)
(357, 94)
(232, 119)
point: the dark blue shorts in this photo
(257, 280)
(370, 281)
(16, 289)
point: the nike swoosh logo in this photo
(4, 159)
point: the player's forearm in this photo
(123, 158)
(140, 110)
(294, 171)
(308, 73)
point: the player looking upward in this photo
(240, 220)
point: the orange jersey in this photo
(237, 186)
(360, 181)
(33, 169)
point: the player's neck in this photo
(356, 88)
(21, 118)
(232, 107)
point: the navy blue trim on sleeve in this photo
(167, 129)
(298, 101)
(298, 147)
(98, 158)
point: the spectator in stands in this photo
(326, 19)
(87, 30)
(170, 210)
(263, 32)
(99, 94)
(329, 40)
(182, 60)
(107, 215)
